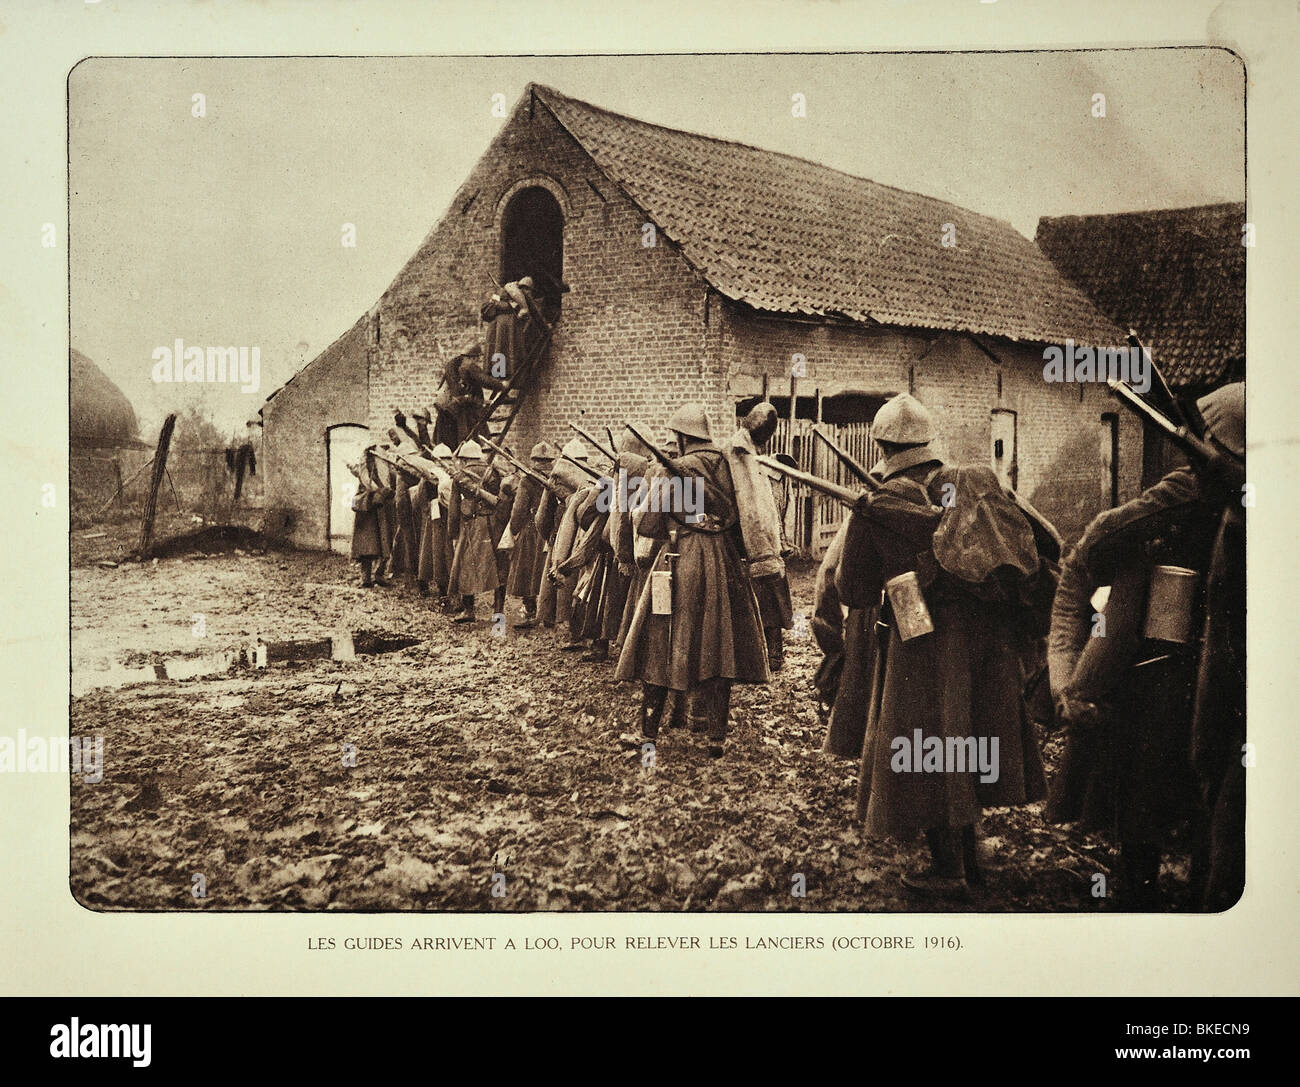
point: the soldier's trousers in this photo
(705, 708)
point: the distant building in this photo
(1177, 278)
(699, 268)
(104, 446)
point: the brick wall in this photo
(1058, 429)
(631, 341)
(332, 389)
(641, 333)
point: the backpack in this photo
(987, 546)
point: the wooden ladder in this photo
(504, 405)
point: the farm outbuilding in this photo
(104, 446)
(685, 267)
(1177, 277)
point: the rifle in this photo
(1169, 405)
(399, 418)
(536, 476)
(1181, 436)
(848, 461)
(844, 495)
(593, 443)
(658, 453)
(586, 468)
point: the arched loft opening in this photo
(532, 243)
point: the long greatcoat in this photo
(367, 536)
(963, 680)
(504, 335)
(1129, 774)
(527, 555)
(847, 639)
(474, 566)
(714, 631)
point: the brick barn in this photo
(699, 268)
(1177, 277)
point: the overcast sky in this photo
(225, 230)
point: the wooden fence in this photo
(811, 520)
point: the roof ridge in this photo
(1170, 212)
(820, 166)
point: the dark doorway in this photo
(532, 243)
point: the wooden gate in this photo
(812, 520)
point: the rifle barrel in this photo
(585, 467)
(595, 444)
(536, 476)
(847, 460)
(1179, 435)
(844, 495)
(658, 453)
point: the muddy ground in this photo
(482, 764)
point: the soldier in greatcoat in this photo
(630, 564)
(459, 399)
(1140, 709)
(474, 567)
(847, 638)
(945, 699)
(370, 495)
(527, 558)
(405, 526)
(762, 532)
(514, 322)
(557, 524)
(711, 636)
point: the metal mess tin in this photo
(1169, 604)
(908, 605)
(661, 592)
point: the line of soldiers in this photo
(580, 547)
(1149, 686)
(950, 617)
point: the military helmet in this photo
(1224, 412)
(441, 450)
(904, 420)
(575, 450)
(630, 443)
(543, 451)
(470, 450)
(692, 421)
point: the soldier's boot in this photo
(599, 652)
(367, 576)
(775, 648)
(652, 706)
(499, 600)
(529, 619)
(466, 614)
(970, 857)
(945, 876)
(422, 587)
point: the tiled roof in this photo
(1177, 277)
(785, 235)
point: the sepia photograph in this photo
(740, 483)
